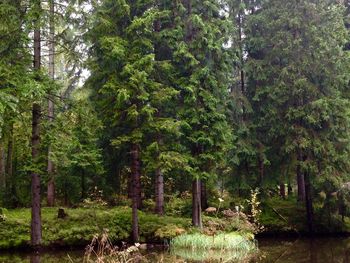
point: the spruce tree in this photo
(297, 75)
(127, 71)
(199, 34)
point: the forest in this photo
(152, 121)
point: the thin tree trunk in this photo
(308, 203)
(9, 161)
(300, 178)
(159, 192)
(241, 50)
(83, 188)
(261, 171)
(2, 165)
(36, 208)
(196, 203)
(283, 190)
(135, 175)
(50, 165)
(66, 201)
(290, 189)
(36, 114)
(204, 196)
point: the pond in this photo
(320, 250)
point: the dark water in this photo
(321, 250)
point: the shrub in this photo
(179, 206)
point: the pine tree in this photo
(298, 74)
(36, 234)
(201, 62)
(132, 93)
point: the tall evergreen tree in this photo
(131, 91)
(201, 63)
(298, 74)
(36, 234)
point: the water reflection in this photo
(321, 250)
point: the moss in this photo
(81, 225)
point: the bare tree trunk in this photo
(204, 196)
(283, 190)
(135, 175)
(196, 203)
(36, 114)
(300, 178)
(50, 165)
(9, 161)
(308, 203)
(261, 171)
(159, 192)
(83, 188)
(36, 206)
(290, 189)
(2, 165)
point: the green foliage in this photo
(178, 206)
(221, 242)
(15, 230)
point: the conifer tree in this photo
(201, 63)
(131, 90)
(36, 234)
(298, 74)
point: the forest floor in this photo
(288, 217)
(279, 217)
(81, 224)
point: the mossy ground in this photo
(81, 224)
(287, 216)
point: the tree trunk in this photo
(290, 189)
(159, 192)
(261, 171)
(83, 188)
(196, 203)
(135, 175)
(283, 191)
(36, 114)
(300, 179)
(50, 165)
(9, 161)
(2, 165)
(36, 208)
(308, 203)
(204, 196)
(66, 200)
(9, 170)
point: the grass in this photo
(222, 241)
(81, 225)
(225, 247)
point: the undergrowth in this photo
(82, 224)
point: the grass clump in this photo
(222, 241)
(231, 246)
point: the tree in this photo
(50, 165)
(201, 63)
(36, 234)
(127, 73)
(297, 72)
